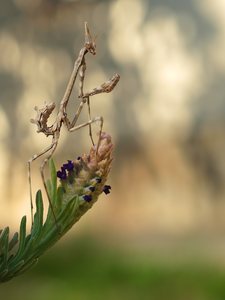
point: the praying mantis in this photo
(54, 130)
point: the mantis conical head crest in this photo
(89, 41)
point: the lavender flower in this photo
(87, 175)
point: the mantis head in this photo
(89, 41)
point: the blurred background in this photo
(160, 234)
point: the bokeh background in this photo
(160, 234)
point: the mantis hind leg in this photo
(42, 167)
(33, 158)
(89, 115)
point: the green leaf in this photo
(59, 198)
(4, 245)
(49, 188)
(38, 217)
(13, 241)
(22, 238)
(53, 180)
(4, 234)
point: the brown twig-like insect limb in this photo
(61, 118)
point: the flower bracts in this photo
(86, 176)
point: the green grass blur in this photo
(87, 269)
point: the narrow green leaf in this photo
(13, 241)
(36, 229)
(59, 197)
(49, 188)
(4, 247)
(50, 216)
(22, 238)
(4, 233)
(52, 192)
(53, 179)
(38, 217)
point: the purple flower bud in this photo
(92, 188)
(87, 198)
(98, 180)
(106, 189)
(69, 166)
(61, 174)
